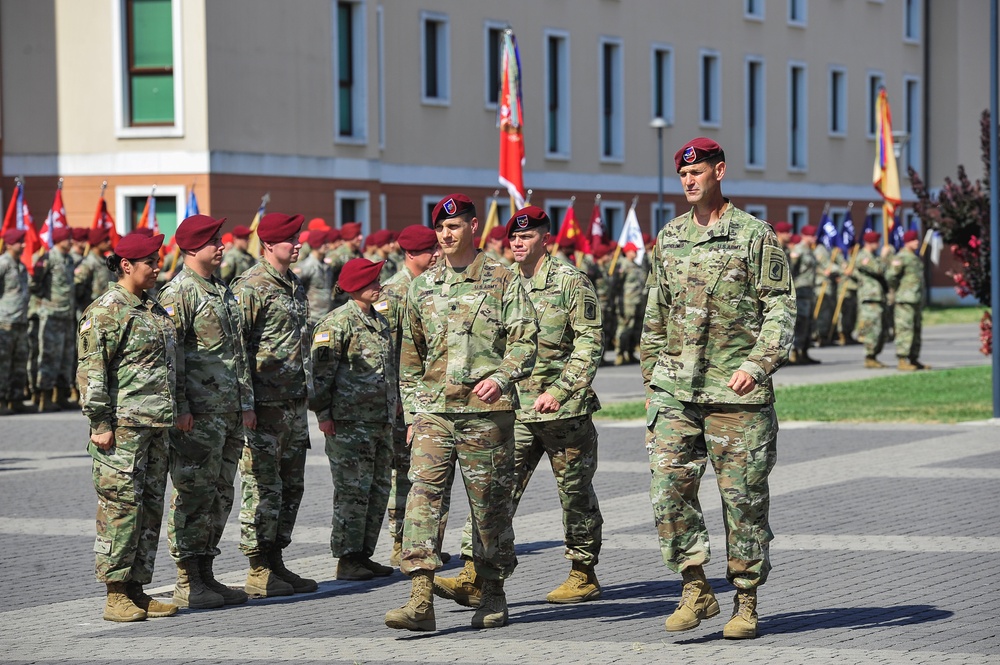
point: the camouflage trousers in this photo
(740, 441)
(272, 475)
(571, 445)
(131, 480)
(871, 329)
(203, 471)
(13, 360)
(824, 320)
(908, 324)
(32, 352)
(361, 462)
(56, 344)
(483, 446)
(401, 486)
(848, 313)
(626, 333)
(803, 321)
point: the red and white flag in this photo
(104, 220)
(56, 219)
(511, 122)
(19, 217)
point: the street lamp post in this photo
(658, 124)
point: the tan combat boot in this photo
(697, 601)
(63, 400)
(263, 582)
(377, 569)
(154, 609)
(919, 365)
(190, 590)
(349, 567)
(397, 553)
(904, 365)
(580, 586)
(743, 625)
(119, 607)
(299, 584)
(871, 362)
(230, 595)
(45, 402)
(5, 409)
(418, 613)
(465, 588)
(793, 357)
(492, 612)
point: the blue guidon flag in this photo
(522, 220)
(450, 207)
(690, 155)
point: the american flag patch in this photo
(321, 337)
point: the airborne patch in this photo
(589, 309)
(775, 275)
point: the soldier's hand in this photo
(103, 441)
(886, 250)
(409, 434)
(185, 423)
(546, 403)
(487, 390)
(742, 383)
(328, 428)
(250, 419)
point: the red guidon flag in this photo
(510, 121)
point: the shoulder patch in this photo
(590, 308)
(774, 273)
(321, 337)
(382, 306)
(169, 309)
(86, 325)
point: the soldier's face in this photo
(144, 271)
(455, 235)
(211, 253)
(528, 246)
(425, 259)
(701, 181)
(369, 294)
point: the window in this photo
(838, 102)
(797, 113)
(354, 207)
(429, 202)
(131, 200)
(757, 210)
(349, 63)
(797, 13)
(435, 57)
(911, 20)
(613, 216)
(492, 38)
(756, 117)
(798, 217)
(710, 97)
(556, 210)
(663, 83)
(913, 124)
(753, 9)
(660, 216)
(557, 94)
(612, 101)
(503, 210)
(876, 82)
(150, 85)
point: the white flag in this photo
(631, 233)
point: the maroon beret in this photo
(242, 232)
(417, 238)
(498, 233)
(317, 238)
(452, 205)
(808, 230)
(872, 236)
(782, 227)
(358, 273)
(144, 231)
(60, 233)
(317, 224)
(697, 150)
(96, 236)
(137, 245)
(279, 227)
(79, 233)
(197, 231)
(910, 235)
(332, 235)
(795, 239)
(350, 231)
(13, 236)
(529, 217)
(382, 238)
(598, 249)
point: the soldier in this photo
(871, 294)
(214, 405)
(470, 334)
(802, 263)
(606, 285)
(848, 319)
(356, 402)
(554, 417)
(126, 371)
(350, 248)
(495, 244)
(316, 277)
(565, 251)
(237, 260)
(421, 253)
(92, 277)
(718, 325)
(272, 469)
(906, 276)
(629, 316)
(828, 268)
(78, 235)
(52, 282)
(13, 324)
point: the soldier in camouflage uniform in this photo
(556, 403)
(356, 402)
(495, 244)
(237, 260)
(828, 267)
(870, 268)
(214, 404)
(906, 276)
(718, 325)
(630, 296)
(92, 277)
(126, 371)
(350, 234)
(848, 319)
(316, 277)
(13, 324)
(470, 334)
(802, 263)
(606, 285)
(52, 282)
(272, 468)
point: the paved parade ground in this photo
(887, 550)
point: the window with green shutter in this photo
(150, 62)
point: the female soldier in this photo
(126, 377)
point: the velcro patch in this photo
(86, 325)
(170, 310)
(590, 309)
(382, 306)
(774, 269)
(321, 337)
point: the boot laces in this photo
(687, 594)
(745, 605)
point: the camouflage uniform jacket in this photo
(354, 367)
(463, 327)
(905, 274)
(870, 270)
(392, 306)
(235, 262)
(825, 261)
(389, 268)
(631, 281)
(274, 322)
(720, 300)
(317, 279)
(338, 258)
(802, 262)
(570, 342)
(212, 371)
(91, 279)
(126, 370)
(13, 290)
(53, 284)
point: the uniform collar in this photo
(718, 230)
(538, 281)
(472, 272)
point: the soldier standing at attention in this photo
(13, 324)
(556, 403)
(870, 268)
(421, 252)
(214, 404)
(629, 316)
(316, 277)
(718, 325)
(356, 402)
(802, 263)
(350, 248)
(126, 372)
(906, 276)
(237, 260)
(272, 468)
(92, 277)
(470, 334)
(53, 283)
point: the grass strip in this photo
(936, 315)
